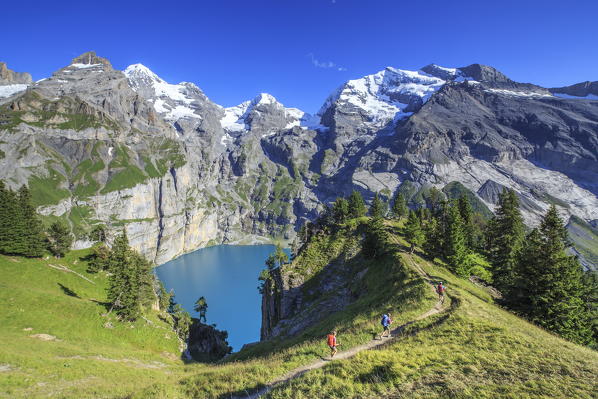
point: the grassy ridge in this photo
(86, 359)
(478, 351)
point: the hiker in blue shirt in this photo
(386, 322)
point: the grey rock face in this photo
(583, 89)
(180, 172)
(8, 76)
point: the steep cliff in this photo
(130, 150)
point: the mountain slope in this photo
(59, 341)
(179, 172)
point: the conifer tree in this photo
(376, 236)
(413, 231)
(123, 291)
(356, 205)
(201, 307)
(340, 210)
(552, 280)
(466, 212)
(399, 207)
(32, 227)
(433, 243)
(378, 208)
(455, 247)
(98, 259)
(504, 235)
(59, 239)
(434, 199)
(163, 296)
(11, 237)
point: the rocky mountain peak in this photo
(9, 77)
(89, 59)
(484, 73)
(585, 89)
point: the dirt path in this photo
(438, 307)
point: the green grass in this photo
(47, 190)
(454, 190)
(86, 359)
(473, 350)
(585, 240)
(126, 178)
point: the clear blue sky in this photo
(301, 50)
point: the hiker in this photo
(440, 290)
(332, 344)
(386, 322)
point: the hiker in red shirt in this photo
(440, 290)
(332, 344)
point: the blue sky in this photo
(301, 50)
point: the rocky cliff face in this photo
(179, 172)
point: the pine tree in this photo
(11, 235)
(505, 235)
(455, 247)
(59, 239)
(466, 212)
(98, 259)
(123, 291)
(201, 307)
(145, 279)
(32, 227)
(376, 236)
(340, 210)
(433, 244)
(399, 207)
(182, 321)
(378, 208)
(552, 280)
(356, 205)
(413, 231)
(163, 296)
(434, 199)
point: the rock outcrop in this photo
(179, 172)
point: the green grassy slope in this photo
(585, 239)
(477, 350)
(86, 359)
(473, 350)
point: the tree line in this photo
(538, 279)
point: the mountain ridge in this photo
(181, 172)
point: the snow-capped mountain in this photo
(172, 101)
(180, 171)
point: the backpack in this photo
(331, 340)
(440, 289)
(385, 320)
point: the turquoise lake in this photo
(227, 276)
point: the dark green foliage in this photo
(399, 207)
(98, 233)
(375, 238)
(59, 239)
(20, 229)
(340, 210)
(379, 208)
(550, 282)
(456, 190)
(434, 199)
(273, 262)
(455, 245)
(504, 240)
(356, 205)
(590, 297)
(32, 226)
(164, 297)
(131, 283)
(414, 233)
(434, 239)
(98, 259)
(201, 307)
(182, 321)
(466, 212)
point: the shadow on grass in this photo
(68, 291)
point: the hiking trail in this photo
(297, 372)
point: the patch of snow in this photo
(41, 80)
(233, 119)
(85, 66)
(9, 90)
(110, 151)
(518, 93)
(180, 111)
(568, 96)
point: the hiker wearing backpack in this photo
(332, 344)
(386, 322)
(440, 290)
